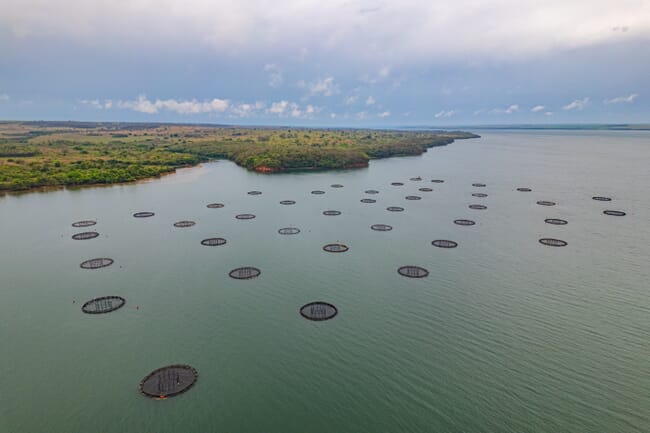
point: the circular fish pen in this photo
(425, 189)
(168, 381)
(287, 202)
(254, 193)
(84, 236)
(395, 209)
(245, 216)
(444, 243)
(556, 221)
(368, 200)
(416, 179)
(479, 194)
(553, 242)
(215, 206)
(336, 248)
(318, 192)
(84, 223)
(101, 262)
(524, 189)
(437, 181)
(614, 212)
(477, 206)
(464, 222)
(336, 185)
(143, 214)
(104, 304)
(413, 271)
(397, 184)
(479, 185)
(332, 212)
(546, 203)
(289, 231)
(184, 223)
(318, 311)
(244, 273)
(413, 197)
(599, 198)
(371, 191)
(213, 242)
(381, 227)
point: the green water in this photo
(504, 335)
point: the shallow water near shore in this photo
(504, 335)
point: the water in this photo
(504, 335)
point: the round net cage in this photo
(437, 180)
(332, 212)
(556, 221)
(413, 197)
(546, 203)
(397, 183)
(479, 194)
(444, 243)
(213, 242)
(168, 381)
(318, 311)
(244, 273)
(143, 214)
(479, 185)
(101, 262)
(287, 202)
(415, 179)
(599, 198)
(425, 189)
(413, 271)
(289, 231)
(614, 212)
(371, 191)
(381, 227)
(254, 192)
(553, 242)
(464, 222)
(336, 248)
(104, 304)
(184, 223)
(477, 206)
(336, 185)
(318, 192)
(368, 200)
(84, 236)
(84, 223)
(395, 209)
(215, 206)
(245, 216)
(524, 189)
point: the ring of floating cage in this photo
(318, 192)
(215, 206)
(245, 216)
(103, 304)
(143, 214)
(289, 231)
(381, 227)
(97, 263)
(479, 194)
(479, 185)
(336, 248)
(614, 212)
(553, 242)
(213, 242)
(477, 206)
(599, 198)
(318, 311)
(556, 221)
(244, 273)
(287, 202)
(336, 185)
(84, 223)
(415, 179)
(168, 381)
(425, 189)
(394, 208)
(371, 191)
(413, 271)
(368, 200)
(184, 223)
(254, 192)
(546, 203)
(524, 189)
(331, 212)
(413, 197)
(464, 222)
(397, 183)
(84, 235)
(437, 180)
(444, 243)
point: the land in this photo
(57, 154)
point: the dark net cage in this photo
(425, 189)
(397, 183)
(479, 194)
(84, 236)
(336, 248)
(289, 231)
(84, 223)
(244, 273)
(546, 203)
(600, 198)
(479, 185)
(245, 216)
(184, 223)
(104, 304)
(288, 202)
(371, 191)
(553, 242)
(101, 262)
(416, 179)
(318, 311)
(464, 222)
(413, 271)
(477, 206)
(413, 197)
(395, 209)
(556, 221)
(437, 181)
(143, 214)
(336, 185)
(524, 189)
(318, 192)
(614, 212)
(368, 200)
(444, 243)
(332, 212)
(254, 192)
(168, 381)
(381, 227)
(213, 242)
(215, 206)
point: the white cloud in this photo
(370, 101)
(350, 100)
(384, 114)
(4, 97)
(511, 109)
(325, 87)
(446, 90)
(619, 99)
(275, 74)
(144, 105)
(382, 74)
(278, 107)
(361, 115)
(444, 113)
(246, 110)
(95, 103)
(333, 115)
(537, 108)
(291, 109)
(548, 113)
(577, 104)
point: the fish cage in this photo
(425, 189)
(245, 216)
(413, 271)
(479, 194)
(318, 311)
(215, 205)
(84, 236)
(413, 197)
(168, 381)
(614, 212)
(97, 263)
(479, 185)
(395, 209)
(524, 189)
(368, 200)
(254, 193)
(444, 243)
(381, 227)
(546, 203)
(397, 183)
(437, 181)
(600, 198)
(332, 212)
(213, 242)
(371, 191)
(184, 223)
(336, 248)
(84, 223)
(318, 192)
(287, 202)
(553, 242)
(289, 231)
(556, 221)
(104, 304)
(336, 185)
(244, 273)
(143, 214)
(464, 222)
(477, 206)
(416, 179)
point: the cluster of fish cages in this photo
(524, 189)
(553, 242)
(614, 212)
(318, 311)
(477, 206)
(215, 205)
(416, 179)
(600, 198)
(413, 271)
(556, 221)
(395, 209)
(104, 304)
(168, 381)
(546, 203)
(84, 236)
(332, 212)
(336, 248)
(368, 200)
(425, 189)
(318, 192)
(213, 242)
(479, 185)
(143, 214)
(254, 193)
(444, 243)
(381, 227)
(397, 183)
(437, 181)
(244, 273)
(479, 194)
(289, 231)
(371, 191)
(245, 216)
(97, 263)
(288, 202)
(184, 223)
(413, 197)
(464, 222)
(84, 223)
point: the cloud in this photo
(246, 110)
(444, 113)
(577, 104)
(370, 101)
(619, 99)
(537, 108)
(275, 74)
(278, 107)
(548, 113)
(382, 74)
(144, 105)
(350, 100)
(622, 29)
(511, 109)
(384, 114)
(325, 87)
(291, 109)
(4, 97)
(95, 103)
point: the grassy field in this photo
(46, 154)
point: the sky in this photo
(326, 63)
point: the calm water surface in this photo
(505, 335)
